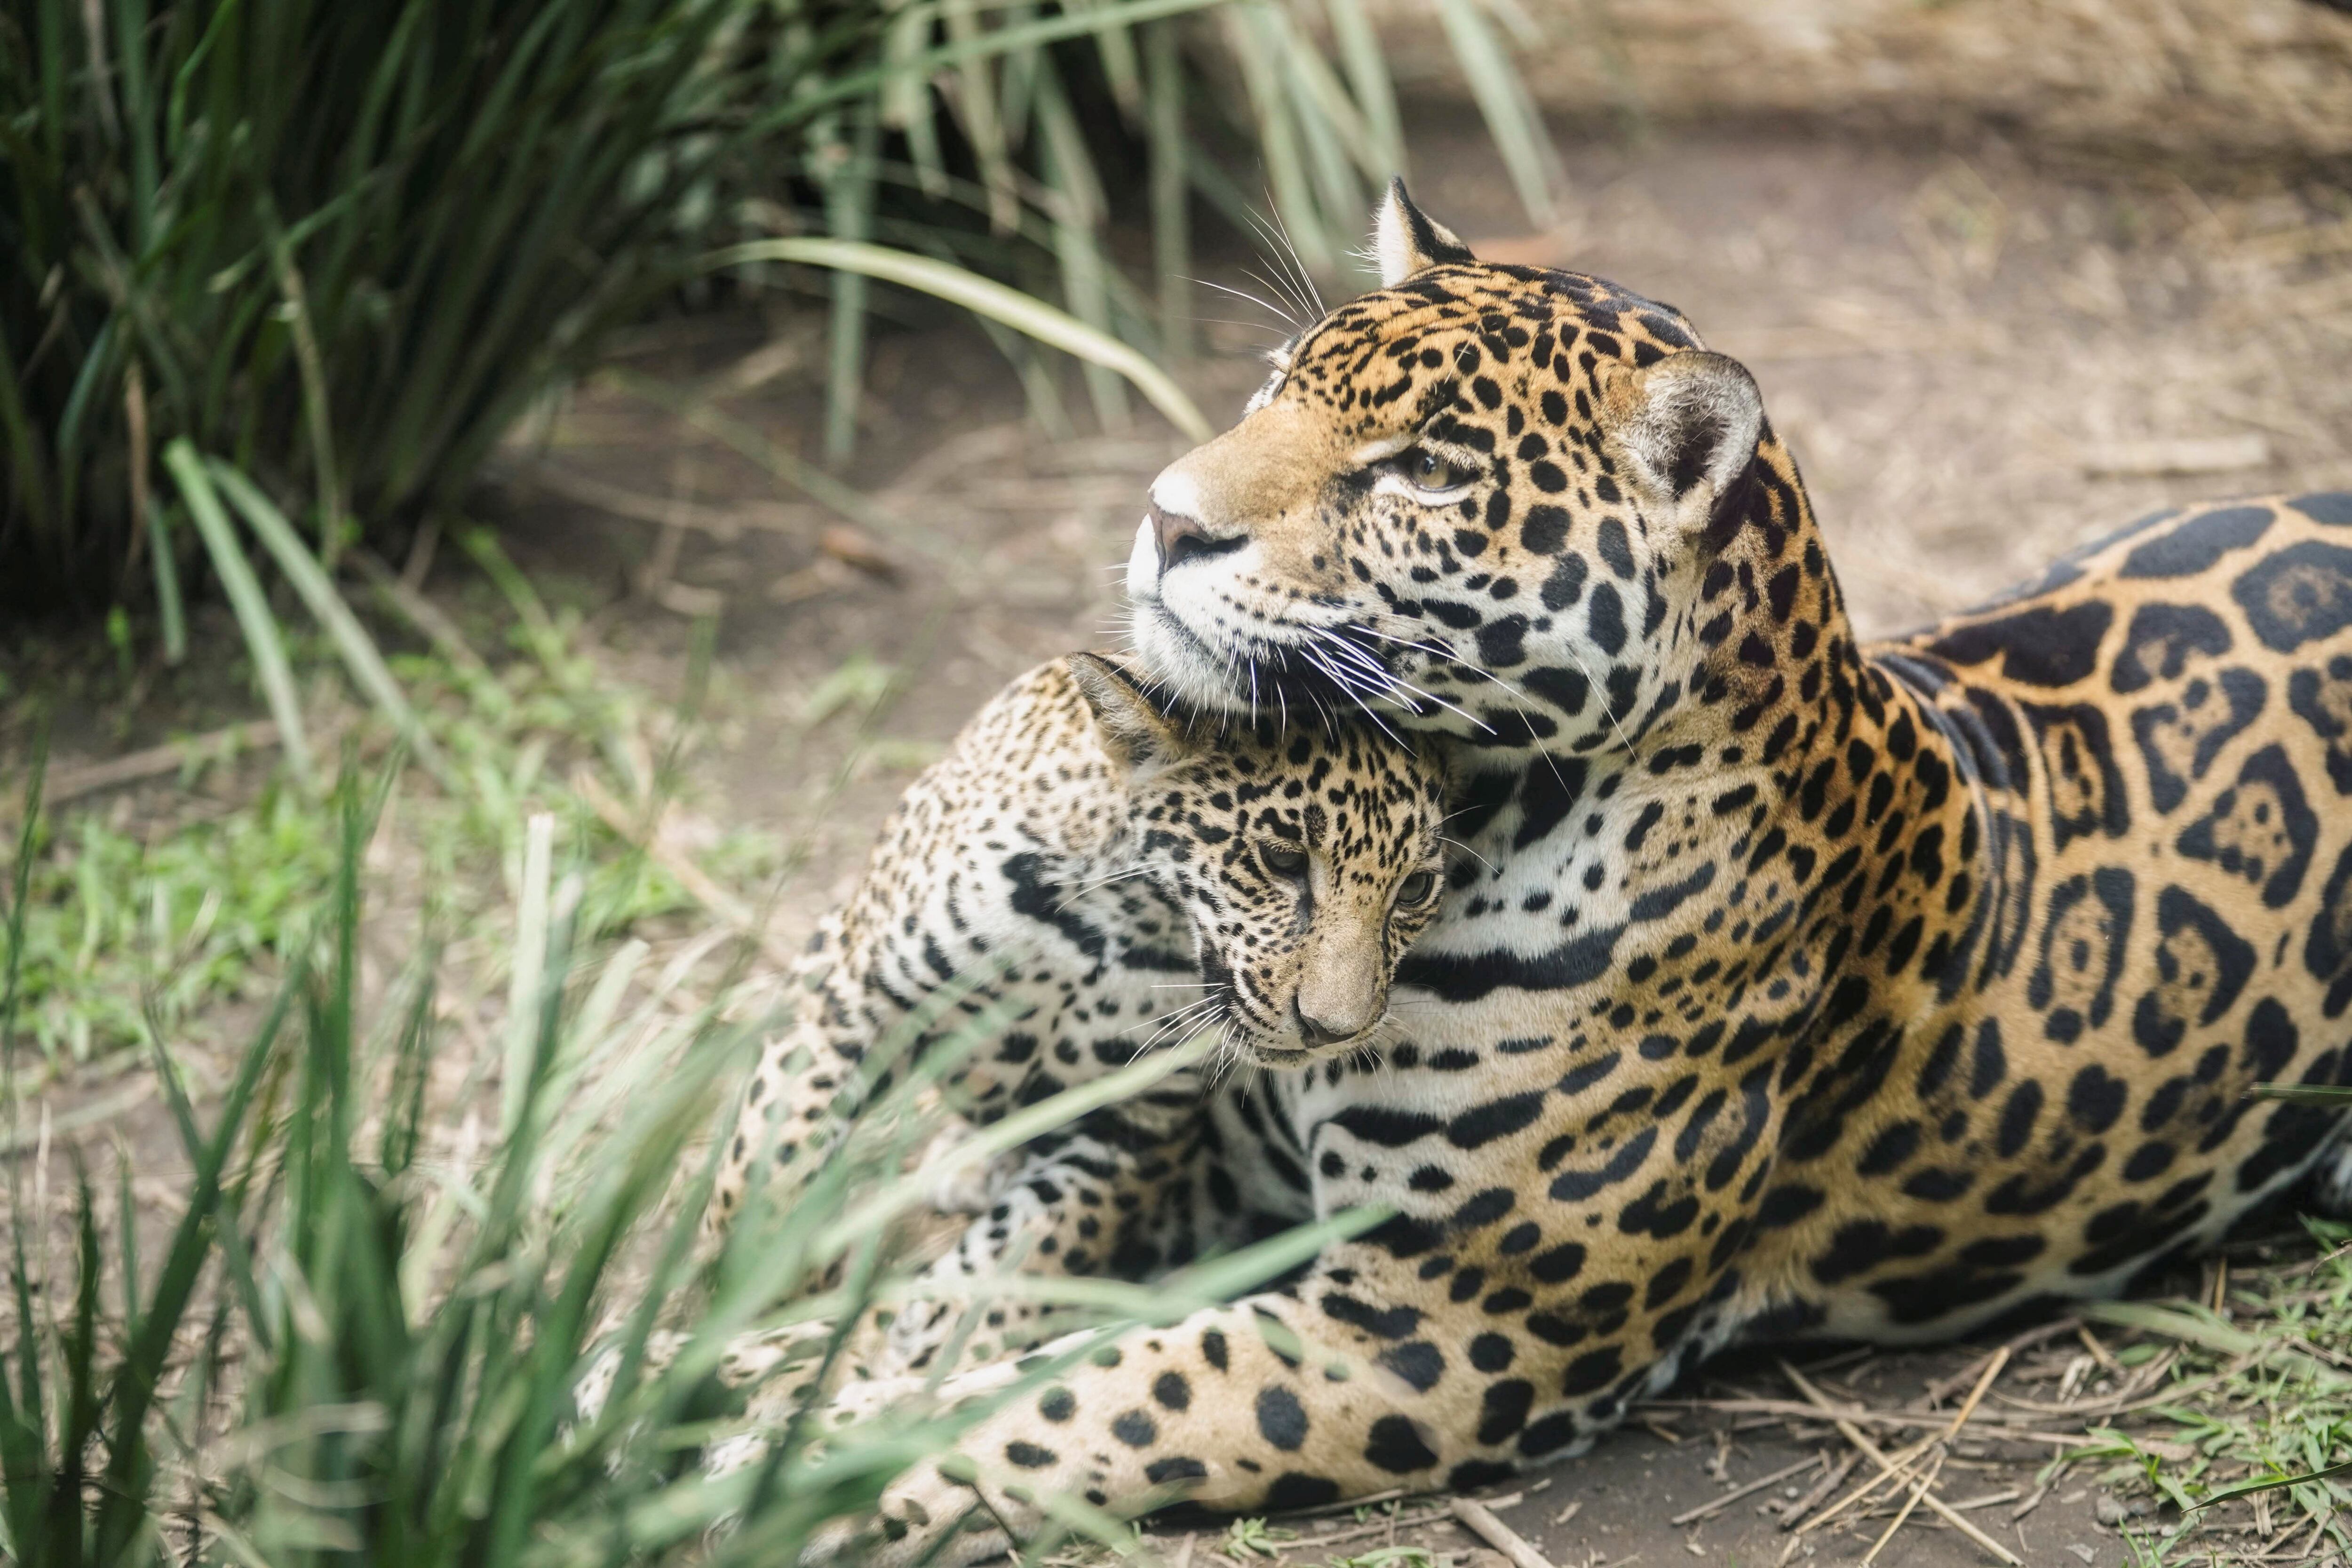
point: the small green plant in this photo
(2261, 1412)
(1395, 1557)
(140, 929)
(1248, 1537)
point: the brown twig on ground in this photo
(722, 523)
(1934, 1448)
(1871, 1451)
(422, 612)
(1391, 1495)
(1693, 1515)
(2181, 455)
(1482, 1522)
(1901, 1419)
(1830, 1482)
(1918, 1490)
(1943, 1388)
(135, 768)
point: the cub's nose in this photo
(1317, 1031)
(1182, 538)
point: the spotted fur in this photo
(1090, 870)
(1786, 984)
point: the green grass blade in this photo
(980, 45)
(245, 596)
(1375, 91)
(988, 298)
(529, 978)
(1291, 188)
(1080, 209)
(976, 107)
(1012, 1131)
(20, 882)
(1511, 114)
(2251, 1487)
(168, 604)
(326, 602)
(849, 213)
(1171, 227)
(312, 367)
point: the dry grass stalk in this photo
(1872, 1452)
(1482, 1522)
(1918, 1490)
(134, 767)
(1708, 1510)
(1833, 1479)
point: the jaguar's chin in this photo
(1278, 1052)
(1177, 657)
(1327, 675)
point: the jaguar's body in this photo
(1785, 985)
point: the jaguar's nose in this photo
(1182, 538)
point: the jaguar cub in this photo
(1111, 872)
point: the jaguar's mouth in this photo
(1326, 673)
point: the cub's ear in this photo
(1405, 240)
(1691, 423)
(1141, 735)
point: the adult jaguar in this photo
(1788, 985)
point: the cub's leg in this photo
(1110, 1197)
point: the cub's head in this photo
(1306, 858)
(1486, 500)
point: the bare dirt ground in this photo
(1981, 359)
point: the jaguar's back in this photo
(2158, 732)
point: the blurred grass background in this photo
(343, 246)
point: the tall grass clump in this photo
(339, 247)
(365, 1335)
(337, 244)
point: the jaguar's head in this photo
(1308, 857)
(1484, 499)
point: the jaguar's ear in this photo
(1142, 735)
(1691, 424)
(1406, 240)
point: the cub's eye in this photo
(1432, 472)
(1418, 889)
(1283, 859)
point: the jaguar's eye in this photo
(1433, 473)
(1417, 889)
(1283, 859)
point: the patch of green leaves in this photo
(1248, 1538)
(133, 928)
(2266, 1404)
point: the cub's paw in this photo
(927, 1517)
(594, 1389)
(973, 1190)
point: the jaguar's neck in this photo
(1768, 788)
